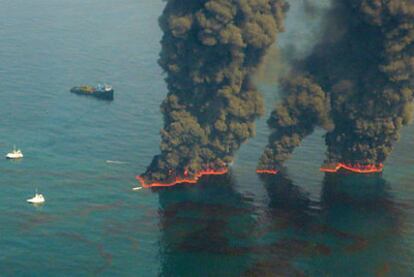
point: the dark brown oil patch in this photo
(273, 269)
(37, 220)
(383, 270)
(106, 256)
(86, 211)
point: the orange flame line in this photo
(183, 180)
(267, 171)
(362, 169)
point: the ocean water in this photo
(83, 154)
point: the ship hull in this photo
(106, 95)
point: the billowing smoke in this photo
(357, 84)
(210, 49)
(305, 107)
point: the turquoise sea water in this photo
(300, 224)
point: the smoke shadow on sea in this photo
(363, 207)
(213, 230)
(356, 222)
(205, 228)
(288, 213)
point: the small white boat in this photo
(37, 199)
(15, 154)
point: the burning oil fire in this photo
(185, 180)
(267, 171)
(355, 168)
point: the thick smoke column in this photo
(360, 76)
(210, 49)
(305, 107)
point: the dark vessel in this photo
(100, 91)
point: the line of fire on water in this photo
(267, 171)
(331, 168)
(179, 180)
(357, 168)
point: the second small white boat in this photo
(15, 154)
(37, 199)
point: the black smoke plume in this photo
(357, 84)
(210, 49)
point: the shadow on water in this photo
(364, 208)
(213, 230)
(289, 214)
(204, 229)
(356, 223)
(97, 98)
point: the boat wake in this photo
(115, 162)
